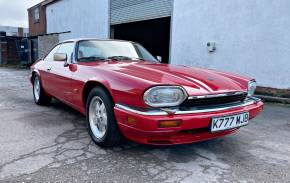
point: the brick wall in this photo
(38, 27)
(284, 93)
(46, 43)
(9, 49)
(12, 54)
(20, 32)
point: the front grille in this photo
(194, 131)
(218, 100)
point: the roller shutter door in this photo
(125, 11)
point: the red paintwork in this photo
(128, 80)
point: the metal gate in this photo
(23, 51)
(125, 11)
(34, 49)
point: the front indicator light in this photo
(169, 123)
(131, 121)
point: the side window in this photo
(67, 48)
(49, 57)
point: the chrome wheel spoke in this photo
(104, 119)
(102, 126)
(103, 108)
(98, 106)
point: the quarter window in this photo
(67, 48)
(49, 57)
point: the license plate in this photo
(229, 122)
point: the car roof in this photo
(92, 39)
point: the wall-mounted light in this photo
(211, 47)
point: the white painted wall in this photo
(252, 37)
(89, 18)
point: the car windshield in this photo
(92, 50)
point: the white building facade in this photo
(77, 18)
(250, 37)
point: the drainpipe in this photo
(3, 48)
(2, 34)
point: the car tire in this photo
(40, 98)
(101, 121)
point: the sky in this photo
(14, 12)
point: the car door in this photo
(45, 71)
(62, 75)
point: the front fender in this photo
(33, 71)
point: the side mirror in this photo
(66, 64)
(159, 58)
(60, 57)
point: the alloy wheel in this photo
(98, 117)
(36, 89)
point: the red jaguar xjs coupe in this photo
(125, 92)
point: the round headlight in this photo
(252, 85)
(165, 96)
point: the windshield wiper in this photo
(92, 58)
(142, 59)
(118, 58)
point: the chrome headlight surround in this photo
(165, 96)
(252, 85)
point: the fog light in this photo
(169, 123)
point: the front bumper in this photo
(194, 127)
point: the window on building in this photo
(36, 14)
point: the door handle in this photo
(48, 70)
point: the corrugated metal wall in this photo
(125, 11)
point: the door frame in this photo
(171, 28)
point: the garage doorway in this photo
(153, 34)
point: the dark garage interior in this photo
(153, 34)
